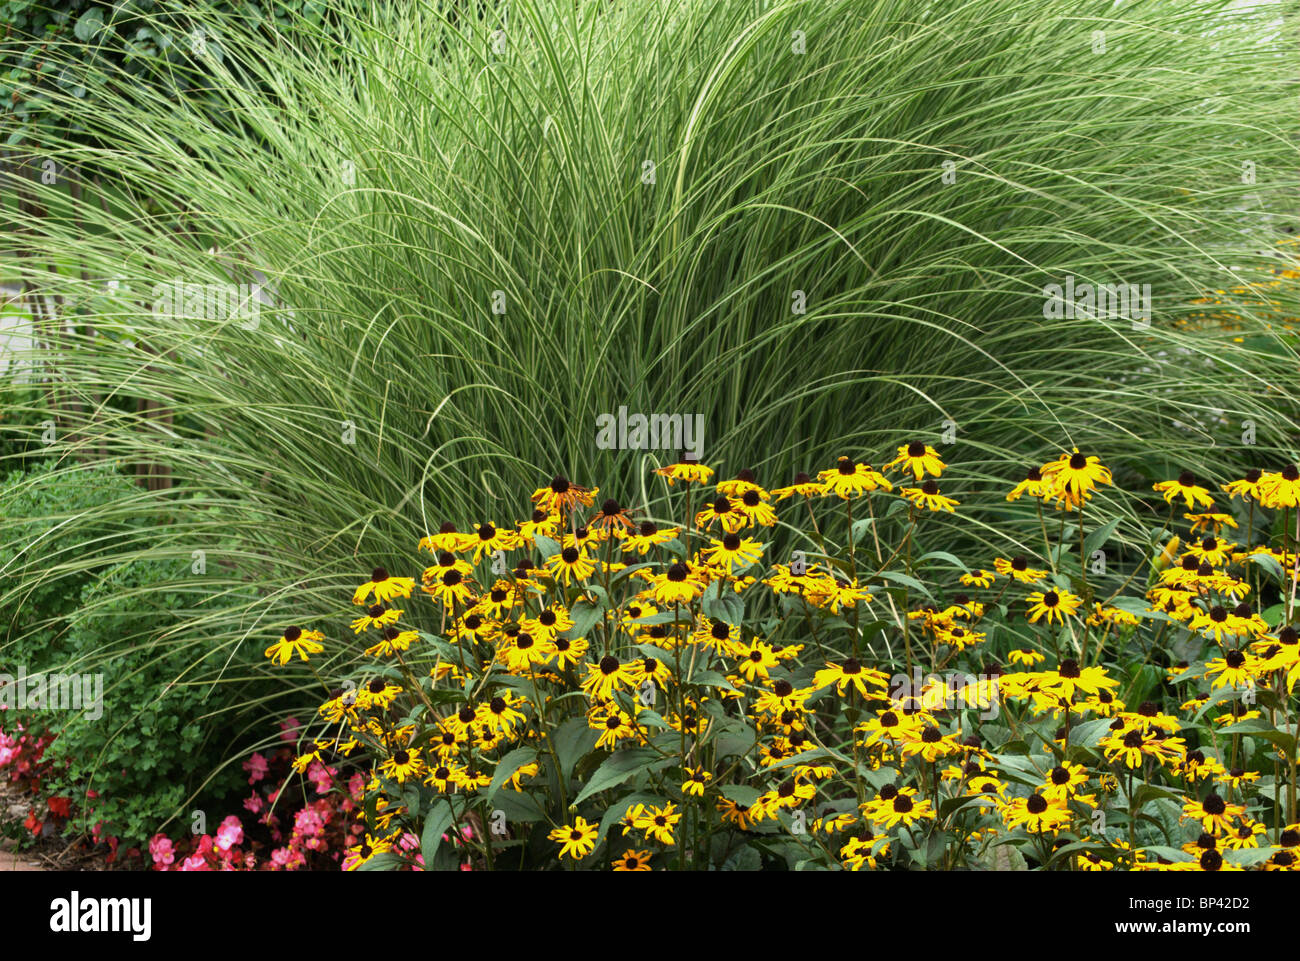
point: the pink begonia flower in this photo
(253, 803)
(321, 776)
(356, 786)
(256, 767)
(289, 729)
(195, 862)
(160, 849)
(308, 823)
(230, 833)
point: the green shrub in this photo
(151, 749)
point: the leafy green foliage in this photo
(150, 752)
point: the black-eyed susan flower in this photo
(1064, 781)
(576, 840)
(724, 512)
(447, 539)
(1070, 677)
(295, 641)
(612, 517)
(1033, 485)
(632, 861)
(384, 587)
(1036, 813)
(836, 593)
(568, 652)
(927, 497)
(648, 534)
(563, 495)
(1211, 522)
(445, 776)
(733, 552)
(919, 458)
(738, 485)
(614, 726)
(863, 850)
(753, 505)
(1281, 488)
(687, 471)
(978, 578)
(488, 539)
(540, 524)
(1054, 605)
(376, 616)
(695, 780)
(1073, 478)
(1025, 656)
(402, 764)
(606, 675)
(847, 479)
(658, 823)
(1133, 746)
(391, 640)
(1185, 486)
(570, 564)
(898, 806)
(1214, 814)
(1018, 567)
(365, 851)
(1211, 550)
(677, 585)
(755, 660)
(1247, 488)
(502, 712)
(851, 673)
(524, 652)
(802, 485)
(1236, 669)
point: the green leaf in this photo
(572, 740)
(89, 25)
(1098, 538)
(944, 556)
(507, 766)
(436, 823)
(617, 768)
(585, 616)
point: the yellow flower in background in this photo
(1018, 567)
(563, 495)
(927, 497)
(570, 564)
(384, 587)
(1074, 477)
(1247, 488)
(733, 552)
(687, 471)
(1034, 485)
(919, 458)
(1054, 605)
(1185, 486)
(848, 479)
(803, 485)
(294, 642)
